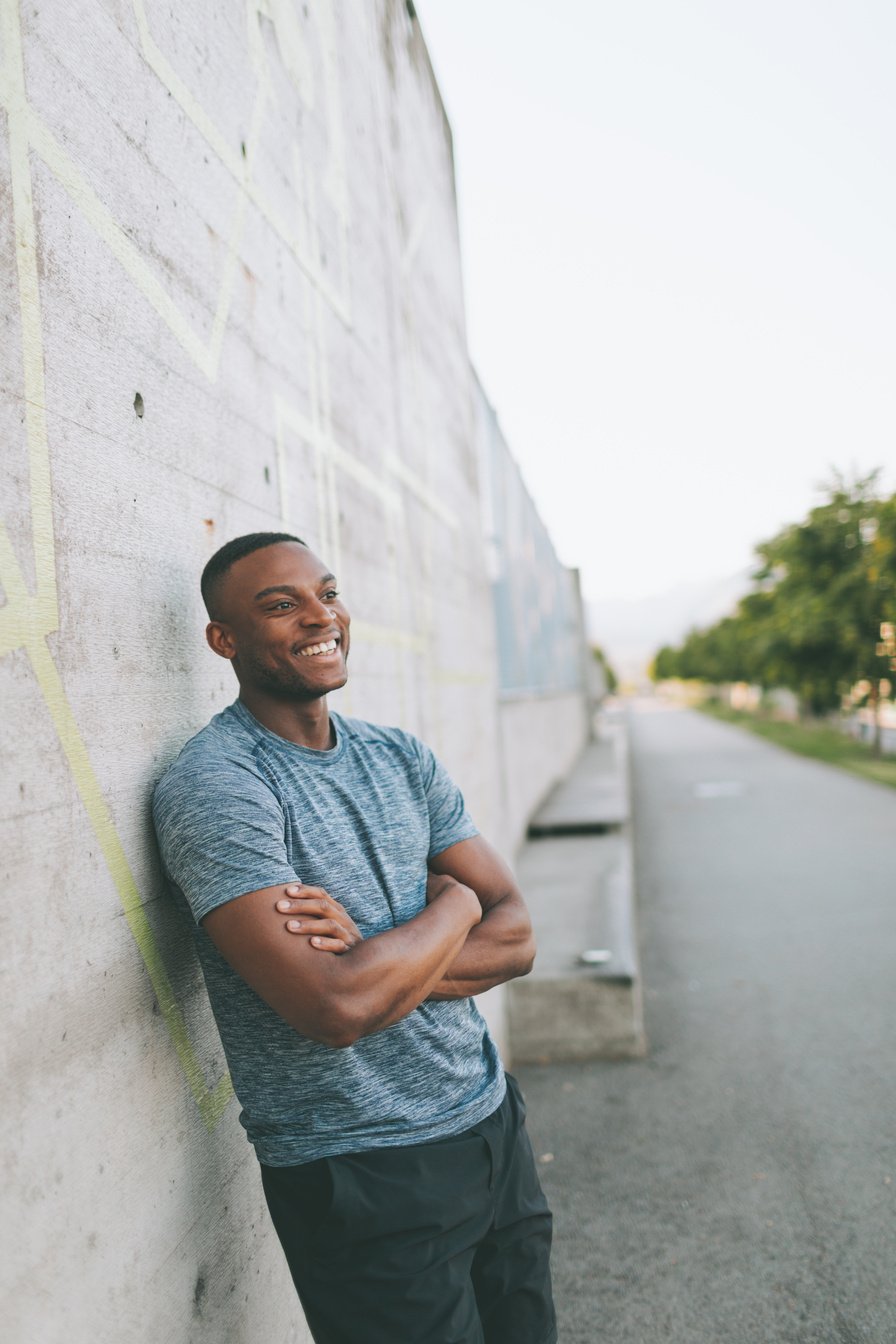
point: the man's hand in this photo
(328, 926)
(438, 883)
(317, 915)
(442, 885)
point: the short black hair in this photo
(228, 555)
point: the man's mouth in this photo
(315, 650)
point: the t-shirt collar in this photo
(258, 730)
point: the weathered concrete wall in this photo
(231, 300)
(543, 706)
(540, 736)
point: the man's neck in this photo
(307, 723)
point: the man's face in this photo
(282, 623)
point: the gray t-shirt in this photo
(242, 808)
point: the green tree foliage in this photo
(610, 678)
(812, 623)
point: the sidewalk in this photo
(583, 999)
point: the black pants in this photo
(436, 1243)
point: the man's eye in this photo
(331, 593)
(281, 606)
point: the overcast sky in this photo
(678, 221)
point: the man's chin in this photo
(298, 689)
(290, 682)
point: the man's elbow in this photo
(336, 1025)
(518, 959)
(525, 948)
(527, 956)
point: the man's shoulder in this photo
(363, 733)
(224, 743)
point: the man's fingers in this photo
(296, 897)
(321, 914)
(329, 944)
(328, 928)
(314, 906)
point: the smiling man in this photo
(346, 910)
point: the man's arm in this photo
(338, 999)
(499, 948)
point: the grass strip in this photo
(818, 740)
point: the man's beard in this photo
(286, 683)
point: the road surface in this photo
(738, 1185)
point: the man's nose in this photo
(316, 612)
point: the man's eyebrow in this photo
(288, 588)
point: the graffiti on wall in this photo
(536, 601)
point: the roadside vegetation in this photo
(820, 622)
(607, 672)
(821, 741)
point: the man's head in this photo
(275, 614)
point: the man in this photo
(346, 910)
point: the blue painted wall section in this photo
(536, 598)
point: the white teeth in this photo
(318, 648)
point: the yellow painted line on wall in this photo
(211, 1102)
(26, 619)
(27, 124)
(421, 491)
(392, 636)
(230, 155)
(352, 466)
(446, 676)
(119, 244)
(289, 417)
(292, 418)
(225, 293)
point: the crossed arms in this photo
(335, 987)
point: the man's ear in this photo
(220, 639)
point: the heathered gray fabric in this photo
(241, 809)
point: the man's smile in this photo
(319, 650)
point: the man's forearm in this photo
(382, 979)
(373, 983)
(499, 949)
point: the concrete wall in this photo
(231, 300)
(543, 685)
(540, 736)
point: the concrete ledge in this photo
(594, 797)
(576, 1019)
(579, 886)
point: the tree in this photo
(610, 678)
(824, 576)
(823, 588)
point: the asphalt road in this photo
(738, 1185)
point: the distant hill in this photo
(631, 630)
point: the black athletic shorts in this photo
(436, 1243)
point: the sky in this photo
(678, 227)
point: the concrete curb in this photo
(577, 875)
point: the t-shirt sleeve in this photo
(221, 833)
(449, 820)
